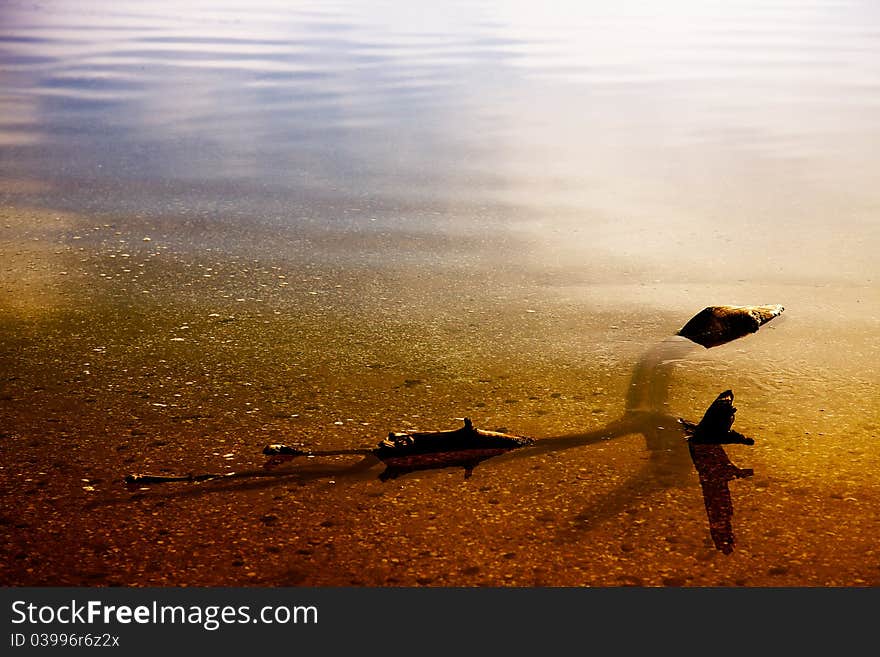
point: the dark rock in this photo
(717, 325)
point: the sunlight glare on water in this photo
(696, 125)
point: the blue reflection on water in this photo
(573, 106)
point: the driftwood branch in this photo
(717, 325)
(159, 479)
(400, 451)
(467, 446)
(716, 426)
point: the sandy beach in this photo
(125, 349)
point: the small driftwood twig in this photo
(400, 451)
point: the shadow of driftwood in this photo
(673, 446)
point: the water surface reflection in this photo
(716, 472)
(695, 125)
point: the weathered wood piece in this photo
(412, 443)
(408, 443)
(423, 450)
(408, 451)
(158, 479)
(401, 452)
(716, 426)
(717, 325)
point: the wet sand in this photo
(171, 346)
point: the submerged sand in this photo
(169, 346)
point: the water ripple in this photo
(539, 105)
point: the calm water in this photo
(225, 224)
(630, 130)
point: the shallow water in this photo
(225, 227)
